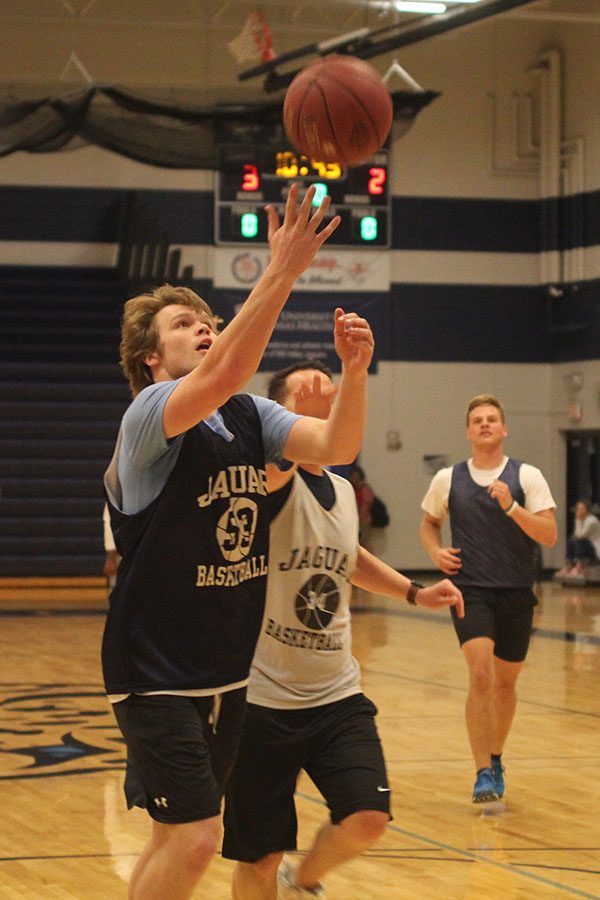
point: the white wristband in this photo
(514, 506)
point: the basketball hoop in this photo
(254, 42)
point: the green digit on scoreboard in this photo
(368, 228)
(320, 193)
(249, 225)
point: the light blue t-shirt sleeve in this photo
(144, 438)
(276, 422)
(146, 457)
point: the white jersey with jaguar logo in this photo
(304, 652)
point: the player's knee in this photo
(264, 869)
(482, 678)
(506, 687)
(366, 826)
(195, 849)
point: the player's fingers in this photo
(347, 321)
(306, 205)
(338, 322)
(291, 204)
(357, 320)
(359, 327)
(272, 221)
(360, 338)
(328, 230)
(326, 387)
(320, 211)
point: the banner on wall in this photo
(338, 270)
(305, 327)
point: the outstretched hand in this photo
(442, 593)
(353, 338)
(295, 241)
(314, 395)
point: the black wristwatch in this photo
(413, 588)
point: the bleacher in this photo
(62, 395)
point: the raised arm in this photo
(235, 354)
(338, 439)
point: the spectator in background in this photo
(364, 498)
(583, 547)
(372, 511)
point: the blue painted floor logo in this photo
(57, 729)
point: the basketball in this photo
(338, 110)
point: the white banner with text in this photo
(337, 270)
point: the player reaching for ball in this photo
(188, 498)
(306, 709)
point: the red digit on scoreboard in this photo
(376, 180)
(251, 179)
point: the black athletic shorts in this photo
(180, 752)
(503, 614)
(338, 747)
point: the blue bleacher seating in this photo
(62, 395)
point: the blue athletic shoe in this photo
(498, 775)
(484, 790)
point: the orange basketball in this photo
(338, 110)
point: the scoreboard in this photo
(249, 176)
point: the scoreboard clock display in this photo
(249, 177)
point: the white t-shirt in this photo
(588, 528)
(535, 487)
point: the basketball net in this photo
(254, 42)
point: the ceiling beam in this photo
(439, 24)
(364, 46)
(542, 15)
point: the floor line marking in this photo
(473, 856)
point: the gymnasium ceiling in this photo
(224, 17)
(182, 44)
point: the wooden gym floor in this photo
(66, 832)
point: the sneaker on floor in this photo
(498, 775)
(484, 790)
(564, 572)
(287, 889)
